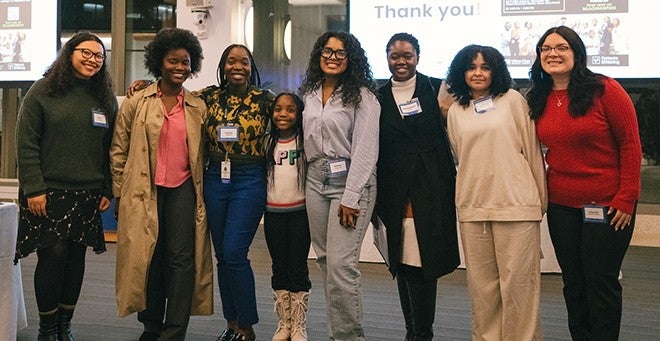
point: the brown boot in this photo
(299, 306)
(283, 309)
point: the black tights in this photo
(59, 274)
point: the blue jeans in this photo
(338, 248)
(234, 211)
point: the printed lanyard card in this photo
(99, 119)
(594, 214)
(225, 171)
(227, 134)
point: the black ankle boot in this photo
(47, 327)
(64, 316)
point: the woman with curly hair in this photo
(500, 195)
(341, 144)
(164, 268)
(589, 125)
(64, 130)
(234, 180)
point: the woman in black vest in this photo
(416, 180)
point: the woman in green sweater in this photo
(63, 137)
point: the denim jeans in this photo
(338, 248)
(234, 211)
(590, 256)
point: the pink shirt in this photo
(172, 162)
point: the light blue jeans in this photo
(338, 249)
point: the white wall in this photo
(224, 27)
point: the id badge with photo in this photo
(594, 214)
(484, 105)
(225, 171)
(227, 133)
(410, 108)
(338, 167)
(99, 119)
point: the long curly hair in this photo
(501, 80)
(254, 80)
(583, 86)
(274, 135)
(60, 75)
(169, 39)
(357, 75)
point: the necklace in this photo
(559, 100)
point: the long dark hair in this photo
(584, 85)
(254, 80)
(357, 75)
(274, 135)
(60, 75)
(501, 80)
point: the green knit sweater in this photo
(57, 145)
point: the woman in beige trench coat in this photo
(137, 159)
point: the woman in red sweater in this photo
(588, 123)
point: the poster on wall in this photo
(27, 38)
(615, 32)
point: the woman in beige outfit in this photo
(164, 265)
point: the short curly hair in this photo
(501, 78)
(169, 39)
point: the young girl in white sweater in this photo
(285, 221)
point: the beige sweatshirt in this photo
(501, 174)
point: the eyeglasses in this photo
(561, 49)
(88, 54)
(328, 52)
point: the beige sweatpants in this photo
(504, 279)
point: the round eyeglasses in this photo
(88, 54)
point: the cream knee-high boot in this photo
(299, 306)
(283, 309)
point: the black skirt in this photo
(70, 214)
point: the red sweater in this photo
(595, 158)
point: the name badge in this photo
(484, 105)
(410, 108)
(227, 134)
(338, 167)
(594, 214)
(225, 171)
(99, 119)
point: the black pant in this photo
(590, 257)
(172, 272)
(288, 240)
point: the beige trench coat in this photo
(133, 163)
